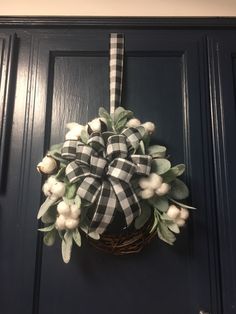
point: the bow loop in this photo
(96, 142)
(116, 147)
(68, 150)
(143, 164)
(121, 169)
(75, 171)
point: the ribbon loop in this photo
(121, 169)
(116, 147)
(143, 164)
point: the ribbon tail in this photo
(127, 198)
(104, 212)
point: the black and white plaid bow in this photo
(103, 172)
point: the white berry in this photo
(47, 165)
(58, 189)
(71, 223)
(147, 193)
(173, 212)
(60, 222)
(180, 222)
(75, 211)
(63, 208)
(133, 123)
(144, 183)
(149, 127)
(155, 181)
(184, 213)
(163, 189)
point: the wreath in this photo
(108, 166)
(107, 182)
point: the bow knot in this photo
(104, 171)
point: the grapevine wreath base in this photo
(107, 181)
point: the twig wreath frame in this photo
(108, 168)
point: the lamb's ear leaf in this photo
(50, 237)
(45, 206)
(77, 237)
(157, 151)
(146, 212)
(179, 190)
(84, 136)
(160, 165)
(48, 228)
(66, 246)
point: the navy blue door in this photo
(63, 76)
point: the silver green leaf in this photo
(70, 191)
(174, 227)
(181, 204)
(48, 228)
(160, 165)
(165, 234)
(45, 206)
(179, 190)
(143, 217)
(84, 136)
(161, 203)
(66, 246)
(174, 172)
(50, 237)
(157, 151)
(77, 237)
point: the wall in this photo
(119, 7)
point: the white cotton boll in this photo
(46, 189)
(71, 223)
(95, 125)
(149, 127)
(58, 189)
(71, 135)
(63, 209)
(173, 212)
(155, 181)
(180, 222)
(184, 213)
(47, 166)
(163, 189)
(133, 123)
(75, 211)
(144, 183)
(60, 222)
(72, 125)
(51, 180)
(147, 193)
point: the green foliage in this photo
(77, 237)
(84, 136)
(70, 191)
(160, 203)
(45, 206)
(104, 114)
(165, 234)
(160, 165)
(181, 204)
(66, 246)
(146, 212)
(157, 151)
(50, 237)
(179, 190)
(121, 117)
(173, 172)
(48, 228)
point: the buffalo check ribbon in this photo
(116, 69)
(103, 171)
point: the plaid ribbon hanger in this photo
(103, 170)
